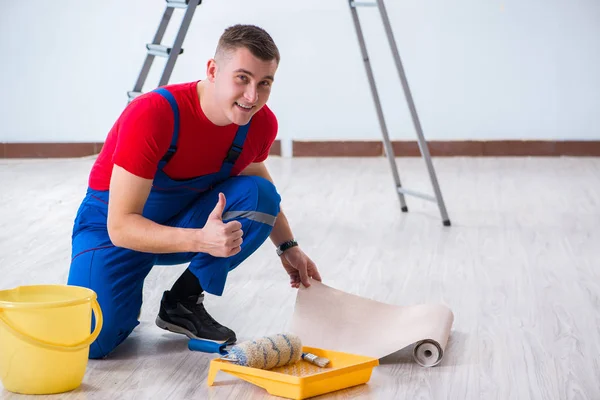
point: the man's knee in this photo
(264, 195)
(111, 336)
(118, 321)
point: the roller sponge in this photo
(267, 352)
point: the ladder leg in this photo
(413, 111)
(160, 32)
(389, 151)
(185, 24)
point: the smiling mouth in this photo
(244, 107)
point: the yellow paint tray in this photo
(303, 379)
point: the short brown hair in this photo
(255, 39)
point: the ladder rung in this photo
(160, 50)
(133, 95)
(179, 3)
(363, 4)
(416, 194)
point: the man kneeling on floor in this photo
(181, 179)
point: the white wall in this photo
(491, 69)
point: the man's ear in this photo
(211, 70)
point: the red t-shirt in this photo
(142, 134)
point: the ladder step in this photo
(416, 194)
(133, 95)
(179, 3)
(363, 4)
(160, 50)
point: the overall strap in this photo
(238, 144)
(173, 147)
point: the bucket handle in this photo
(56, 346)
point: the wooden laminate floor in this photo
(520, 268)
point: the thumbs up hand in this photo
(220, 239)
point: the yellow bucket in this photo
(45, 337)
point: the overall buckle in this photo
(170, 153)
(233, 153)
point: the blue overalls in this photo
(117, 274)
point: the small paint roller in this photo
(264, 353)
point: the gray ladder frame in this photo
(171, 53)
(389, 151)
(156, 49)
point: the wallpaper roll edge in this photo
(328, 318)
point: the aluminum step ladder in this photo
(156, 49)
(171, 53)
(413, 111)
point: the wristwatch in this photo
(286, 246)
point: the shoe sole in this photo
(178, 329)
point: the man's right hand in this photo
(220, 239)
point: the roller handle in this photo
(206, 346)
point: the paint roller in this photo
(264, 353)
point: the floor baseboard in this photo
(465, 148)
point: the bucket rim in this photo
(48, 304)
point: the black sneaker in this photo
(190, 318)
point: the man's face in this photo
(242, 84)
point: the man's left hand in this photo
(299, 267)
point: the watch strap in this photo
(286, 246)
